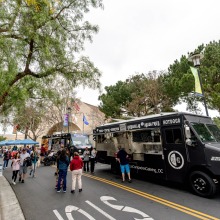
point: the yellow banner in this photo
(198, 88)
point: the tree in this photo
(147, 95)
(179, 81)
(39, 41)
(2, 138)
(29, 121)
(217, 121)
(141, 94)
(37, 114)
(115, 98)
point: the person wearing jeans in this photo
(6, 159)
(63, 163)
(76, 166)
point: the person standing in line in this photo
(86, 154)
(92, 159)
(34, 158)
(122, 158)
(63, 163)
(76, 166)
(15, 167)
(23, 165)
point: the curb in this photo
(9, 205)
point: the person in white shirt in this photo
(92, 159)
(23, 166)
(15, 167)
(86, 156)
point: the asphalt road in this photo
(105, 197)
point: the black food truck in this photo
(72, 141)
(177, 146)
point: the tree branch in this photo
(30, 54)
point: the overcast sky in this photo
(138, 36)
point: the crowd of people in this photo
(25, 157)
(21, 159)
(31, 157)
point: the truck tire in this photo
(202, 184)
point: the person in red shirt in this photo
(76, 166)
(42, 153)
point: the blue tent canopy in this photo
(11, 142)
(2, 143)
(26, 141)
(18, 142)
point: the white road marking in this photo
(58, 214)
(100, 210)
(124, 208)
(133, 210)
(105, 200)
(71, 208)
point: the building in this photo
(93, 116)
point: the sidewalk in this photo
(9, 205)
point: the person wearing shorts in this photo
(122, 158)
(23, 167)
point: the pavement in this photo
(9, 206)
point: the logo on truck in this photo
(175, 160)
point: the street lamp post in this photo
(69, 114)
(195, 58)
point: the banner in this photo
(84, 120)
(198, 89)
(66, 120)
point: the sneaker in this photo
(122, 181)
(80, 190)
(14, 183)
(72, 191)
(22, 181)
(58, 191)
(64, 191)
(129, 181)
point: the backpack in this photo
(27, 162)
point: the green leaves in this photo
(38, 45)
(179, 81)
(139, 95)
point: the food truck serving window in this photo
(147, 136)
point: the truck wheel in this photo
(202, 184)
